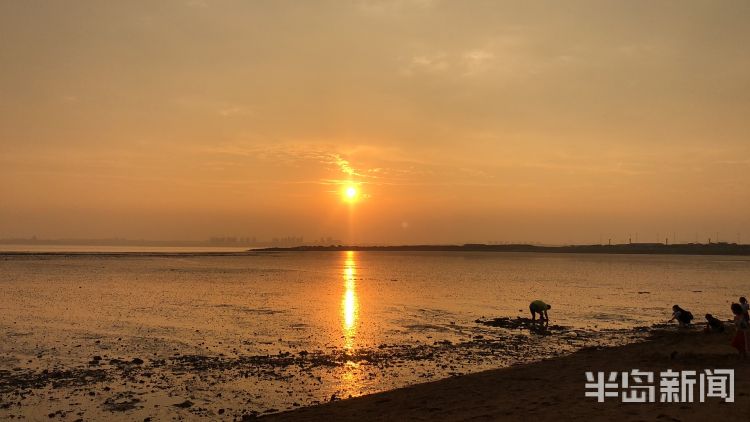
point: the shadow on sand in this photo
(520, 323)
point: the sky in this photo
(456, 121)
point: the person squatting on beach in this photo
(539, 307)
(713, 324)
(682, 316)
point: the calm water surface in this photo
(53, 306)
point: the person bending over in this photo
(541, 308)
(682, 316)
(713, 324)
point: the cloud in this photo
(392, 8)
(286, 153)
(234, 111)
(436, 62)
(468, 63)
(476, 61)
(212, 105)
(198, 4)
(344, 165)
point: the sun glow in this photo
(350, 193)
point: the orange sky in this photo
(553, 122)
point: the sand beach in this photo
(554, 389)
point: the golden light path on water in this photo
(349, 319)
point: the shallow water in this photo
(271, 331)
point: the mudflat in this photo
(554, 389)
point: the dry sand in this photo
(554, 389)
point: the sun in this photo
(350, 193)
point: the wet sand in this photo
(554, 389)
(134, 379)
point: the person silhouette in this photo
(745, 307)
(740, 339)
(713, 324)
(541, 308)
(682, 316)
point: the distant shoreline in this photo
(630, 248)
(723, 249)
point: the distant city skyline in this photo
(302, 240)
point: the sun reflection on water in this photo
(349, 318)
(349, 303)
